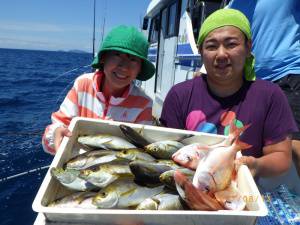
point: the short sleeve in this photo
(171, 115)
(279, 122)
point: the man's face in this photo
(120, 69)
(224, 52)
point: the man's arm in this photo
(275, 161)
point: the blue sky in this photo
(63, 24)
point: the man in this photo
(229, 91)
(275, 26)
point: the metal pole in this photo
(94, 28)
(103, 25)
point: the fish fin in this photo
(234, 174)
(195, 198)
(105, 140)
(235, 131)
(85, 147)
(134, 137)
(180, 139)
(240, 145)
(242, 129)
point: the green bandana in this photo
(229, 17)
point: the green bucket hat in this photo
(229, 17)
(127, 40)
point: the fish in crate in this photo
(213, 186)
(133, 173)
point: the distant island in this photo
(77, 51)
(74, 51)
(68, 51)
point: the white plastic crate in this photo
(51, 189)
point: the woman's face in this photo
(120, 69)
(224, 52)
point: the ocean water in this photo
(33, 85)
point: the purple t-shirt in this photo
(191, 105)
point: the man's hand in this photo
(249, 161)
(59, 134)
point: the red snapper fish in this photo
(190, 155)
(214, 172)
(231, 198)
(195, 198)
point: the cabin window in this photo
(154, 29)
(172, 19)
(200, 10)
(164, 22)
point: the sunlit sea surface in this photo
(33, 85)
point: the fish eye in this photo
(206, 188)
(84, 172)
(125, 152)
(103, 194)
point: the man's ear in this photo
(200, 49)
(249, 47)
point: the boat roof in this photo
(155, 6)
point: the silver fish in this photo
(70, 179)
(104, 174)
(123, 194)
(163, 201)
(75, 200)
(167, 178)
(145, 171)
(91, 158)
(133, 136)
(163, 149)
(135, 154)
(106, 141)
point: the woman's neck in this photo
(109, 91)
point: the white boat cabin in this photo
(172, 28)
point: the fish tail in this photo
(234, 134)
(235, 131)
(240, 145)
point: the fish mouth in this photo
(208, 184)
(106, 201)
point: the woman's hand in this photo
(59, 134)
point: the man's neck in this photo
(224, 89)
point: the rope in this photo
(34, 133)
(11, 133)
(70, 83)
(24, 173)
(72, 70)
